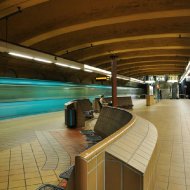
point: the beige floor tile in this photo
(33, 187)
(177, 180)
(4, 173)
(16, 166)
(32, 175)
(18, 188)
(47, 179)
(176, 187)
(3, 179)
(13, 172)
(3, 185)
(161, 186)
(188, 180)
(31, 170)
(177, 174)
(46, 173)
(33, 181)
(16, 177)
(19, 183)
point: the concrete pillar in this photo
(114, 80)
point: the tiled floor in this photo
(36, 149)
(172, 119)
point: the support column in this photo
(114, 80)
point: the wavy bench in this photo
(124, 160)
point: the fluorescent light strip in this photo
(20, 55)
(87, 70)
(62, 64)
(172, 81)
(97, 69)
(42, 60)
(187, 66)
(65, 65)
(186, 73)
(149, 81)
(73, 67)
(136, 80)
(123, 78)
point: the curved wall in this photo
(19, 97)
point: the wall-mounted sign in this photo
(102, 78)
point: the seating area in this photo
(131, 140)
(82, 109)
(123, 102)
(121, 142)
(128, 145)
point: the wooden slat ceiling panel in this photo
(149, 36)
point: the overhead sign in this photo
(102, 78)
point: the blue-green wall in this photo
(19, 97)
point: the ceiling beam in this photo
(134, 50)
(153, 69)
(122, 39)
(107, 21)
(140, 74)
(174, 55)
(10, 7)
(120, 66)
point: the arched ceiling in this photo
(149, 37)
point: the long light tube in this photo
(24, 52)
(20, 55)
(172, 81)
(149, 81)
(66, 65)
(96, 69)
(29, 57)
(87, 70)
(186, 73)
(42, 60)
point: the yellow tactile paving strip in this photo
(172, 119)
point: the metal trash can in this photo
(70, 115)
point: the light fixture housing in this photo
(42, 60)
(20, 55)
(149, 81)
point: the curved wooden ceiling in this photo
(149, 37)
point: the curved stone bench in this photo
(124, 160)
(122, 102)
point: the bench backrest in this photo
(123, 102)
(110, 120)
(84, 104)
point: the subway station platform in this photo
(36, 149)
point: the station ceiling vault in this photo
(149, 37)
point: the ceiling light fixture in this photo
(172, 81)
(149, 81)
(186, 73)
(20, 55)
(62, 64)
(24, 52)
(87, 70)
(68, 66)
(42, 60)
(101, 71)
